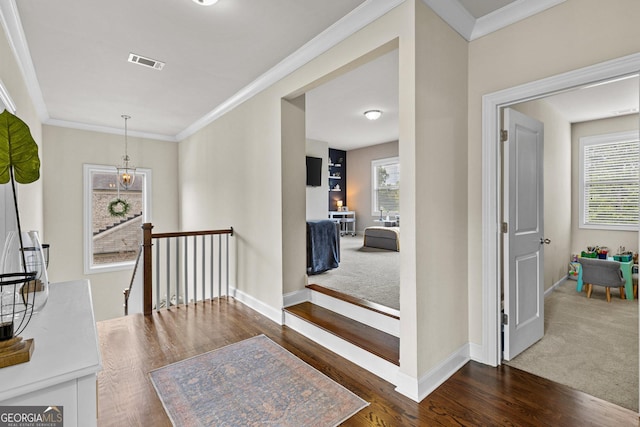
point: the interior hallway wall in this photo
(569, 36)
(65, 151)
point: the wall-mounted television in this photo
(314, 171)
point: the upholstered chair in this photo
(601, 272)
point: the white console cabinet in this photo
(65, 361)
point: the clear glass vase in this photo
(28, 258)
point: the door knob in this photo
(544, 241)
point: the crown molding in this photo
(510, 14)
(10, 21)
(107, 129)
(361, 16)
(452, 12)
(5, 99)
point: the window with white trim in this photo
(113, 218)
(609, 181)
(385, 186)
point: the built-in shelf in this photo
(337, 178)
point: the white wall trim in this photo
(370, 318)
(372, 363)
(510, 14)
(470, 28)
(296, 297)
(418, 389)
(6, 103)
(257, 305)
(110, 130)
(555, 285)
(10, 21)
(454, 14)
(358, 18)
(475, 352)
(361, 16)
(491, 104)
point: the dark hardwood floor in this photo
(476, 395)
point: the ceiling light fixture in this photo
(205, 2)
(373, 114)
(126, 172)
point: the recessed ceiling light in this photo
(205, 2)
(373, 114)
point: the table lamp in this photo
(339, 205)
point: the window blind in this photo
(610, 184)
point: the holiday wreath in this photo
(119, 207)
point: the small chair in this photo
(602, 273)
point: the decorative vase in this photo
(30, 259)
(14, 313)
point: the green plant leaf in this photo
(18, 150)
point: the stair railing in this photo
(189, 267)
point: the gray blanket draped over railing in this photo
(323, 246)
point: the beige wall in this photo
(29, 195)
(572, 35)
(439, 161)
(65, 152)
(583, 237)
(224, 166)
(557, 188)
(359, 180)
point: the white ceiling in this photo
(74, 58)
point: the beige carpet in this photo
(589, 345)
(367, 273)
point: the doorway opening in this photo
(492, 199)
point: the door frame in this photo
(491, 351)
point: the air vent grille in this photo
(145, 62)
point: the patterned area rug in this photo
(250, 383)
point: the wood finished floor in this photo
(476, 395)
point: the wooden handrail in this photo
(147, 244)
(192, 233)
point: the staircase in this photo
(362, 332)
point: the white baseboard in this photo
(257, 305)
(374, 364)
(417, 389)
(296, 297)
(555, 285)
(475, 352)
(370, 318)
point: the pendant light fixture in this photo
(126, 172)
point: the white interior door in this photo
(523, 237)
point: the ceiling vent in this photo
(145, 62)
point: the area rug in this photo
(250, 383)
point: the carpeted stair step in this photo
(374, 341)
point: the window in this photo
(112, 239)
(385, 186)
(609, 181)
